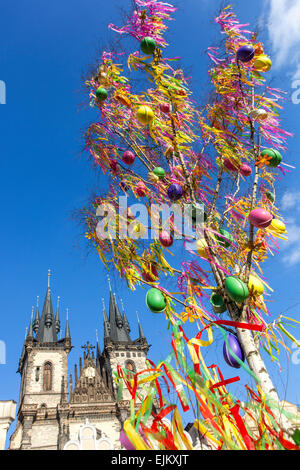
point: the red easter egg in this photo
(114, 166)
(141, 189)
(128, 157)
(164, 107)
(230, 166)
(152, 276)
(260, 218)
(165, 238)
(245, 170)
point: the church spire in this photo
(141, 333)
(30, 330)
(118, 333)
(57, 320)
(47, 331)
(67, 333)
(36, 322)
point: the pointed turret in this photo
(141, 333)
(67, 333)
(106, 322)
(57, 320)
(125, 321)
(47, 331)
(118, 332)
(30, 329)
(36, 322)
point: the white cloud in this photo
(284, 32)
(291, 200)
(291, 248)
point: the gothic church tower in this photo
(58, 410)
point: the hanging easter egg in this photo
(164, 107)
(141, 189)
(260, 218)
(274, 157)
(155, 300)
(245, 169)
(124, 186)
(235, 347)
(230, 165)
(202, 248)
(159, 172)
(218, 303)
(277, 226)
(236, 289)
(256, 287)
(145, 115)
(174, 192)
(226, 239)
(270, 196)
(113, 165)
(165, 238)
(101, 94)
(262, 63)
(259, 114)
(148, 45)
(138, 230)
(245, 53)
(128, 157)
(151, 274)
(125, 442)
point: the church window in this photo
(128, 354)
(37, 374)
(139, 354)
(117, 354)
(122, 354)
(47, 376)
(130, 366)
(133, 354)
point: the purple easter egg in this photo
(245, 53)
(235, 346)
(260, 218)
(174, 192)
(125, 442)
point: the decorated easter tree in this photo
(159, 148)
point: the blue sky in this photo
(44, 51)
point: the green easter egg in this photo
(236, 289)
(226, 239)
(101, 93)
(160, 172)
(276, 157)
(148, 45)
(155, 300)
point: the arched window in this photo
(47, 376)
(130, 366)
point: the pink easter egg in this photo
(245, 170)
(230, 166)
(165, 238)
(141, 189)
(164, 107)
(260, 218)
(128, 157)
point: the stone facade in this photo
(58, 410)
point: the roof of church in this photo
(116, 327)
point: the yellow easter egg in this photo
(256, 287)
(202, 248)
(145, 115)
(262, 63)
(277, 226)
